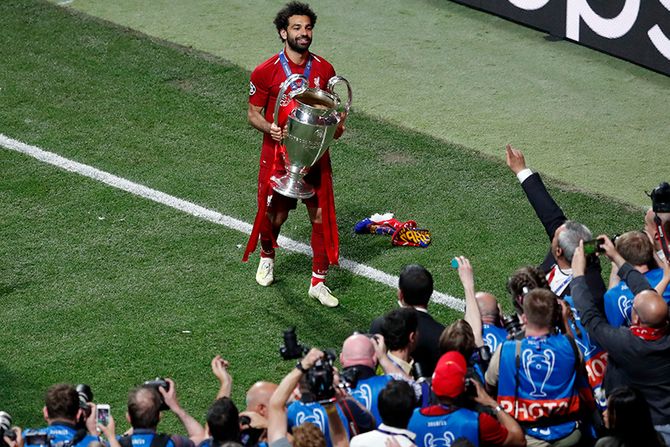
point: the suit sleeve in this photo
(547, 210)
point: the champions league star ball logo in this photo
(445, 441)
(534, 364)
(624, 305)
(317, 418)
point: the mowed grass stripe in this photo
(98, 285)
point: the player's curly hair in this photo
(527, 278)
(293, 9)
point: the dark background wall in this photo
(635, 30)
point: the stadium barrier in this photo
(635, 30)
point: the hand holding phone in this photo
(102, 414)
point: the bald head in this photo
(258, 397)
(488, 307)
(144, 405)
(649, 309)
(358, 350)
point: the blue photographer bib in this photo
(619, 299)
(367, 391)
(144, 438)
(544, 386)
(437, 426)
(493, 336)
(301, 412)
(62, 436)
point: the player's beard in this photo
(297, 47)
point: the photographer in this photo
(639, 356)
(278, 414)
(144, 414)
(637, 250)
(449, 420)
(62, 410)
(359, 360)
(481, 313)
(537, 377)
(415, 287)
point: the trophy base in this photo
(291, 187)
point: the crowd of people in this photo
(581, 362)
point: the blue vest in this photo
(62, 435)
(493, 336)
(435, 427)
(595, 357)
(300, 412)
(143, 438)
(367, 391)
(543, 388)
(619, 299)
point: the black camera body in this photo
(157, 383)
(660, 198)
(291, 349)
(319, 378)
(512, 325)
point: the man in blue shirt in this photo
(636, 248)
(61, 411)
(144, 414)
(359, 362)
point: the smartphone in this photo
(102, 414)
(590, 247)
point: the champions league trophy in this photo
(312, 120)
(536, 362)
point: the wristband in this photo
(300, 368)
(498, 409)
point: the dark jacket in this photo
(641, 364)
(427, 350)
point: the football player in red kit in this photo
(294, 23)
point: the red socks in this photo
(320, 259)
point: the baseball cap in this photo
(449, 375)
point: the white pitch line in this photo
(204, 213)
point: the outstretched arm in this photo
(220, 370)
(195, 431)
(472, 315)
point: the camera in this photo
(38, 438)
(660, 198)
(291, 349)
(319, 378)
(6, 428)
(157, 383)
(513, 327)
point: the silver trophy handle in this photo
(336, 80)
(284, 86)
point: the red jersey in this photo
(266, 80)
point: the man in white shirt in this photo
(396, 405)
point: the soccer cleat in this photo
(265, 273)
(323, 295)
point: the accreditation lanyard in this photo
(287, 68)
